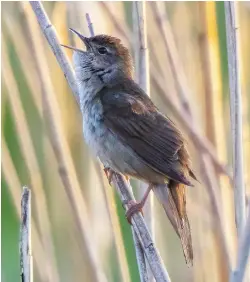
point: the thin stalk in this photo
(90, 25)
(138, 222)
(58, 140)
(143, 79)
(243, 253)
(141, 45)
(140, 257)
(41, 258)
(25, 246)
(51, 35)
(232, 32)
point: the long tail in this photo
(173, 199)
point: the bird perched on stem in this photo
(127, 132)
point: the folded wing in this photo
(154, 137)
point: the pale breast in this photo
(103, 143)
(93, 129)
(99, 139)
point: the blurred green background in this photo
(29, 156)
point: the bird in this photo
(128, 133)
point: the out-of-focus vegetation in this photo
(28, 157)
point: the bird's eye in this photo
(102, 50)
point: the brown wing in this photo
(138, 123)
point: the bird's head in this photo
(104, 56)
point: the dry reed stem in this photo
(199, 140)
(90, 25)
(141, 45)
(59, 143)
(114, 219)
(232, 32)
(25, 244)
(243, 253)
(42, 260)
(143, 79)
(30, 158)
(140, 257)
(51, 36)
(153, 257)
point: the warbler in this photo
(128, 133)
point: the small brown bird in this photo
(127, 132)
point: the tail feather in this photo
(191, 173)
(173, 199)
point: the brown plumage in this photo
(128, 133)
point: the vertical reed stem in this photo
(232, 32)
(243, 254)
(26, 262)
(143, 79)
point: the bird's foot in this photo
(109, 173)
(133, 207)
(126, 177)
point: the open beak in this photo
(84, 39)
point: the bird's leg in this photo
(134, 207)
(109, 173)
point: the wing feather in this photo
(151, 135)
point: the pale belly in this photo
(105, 145)
(111, 151)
